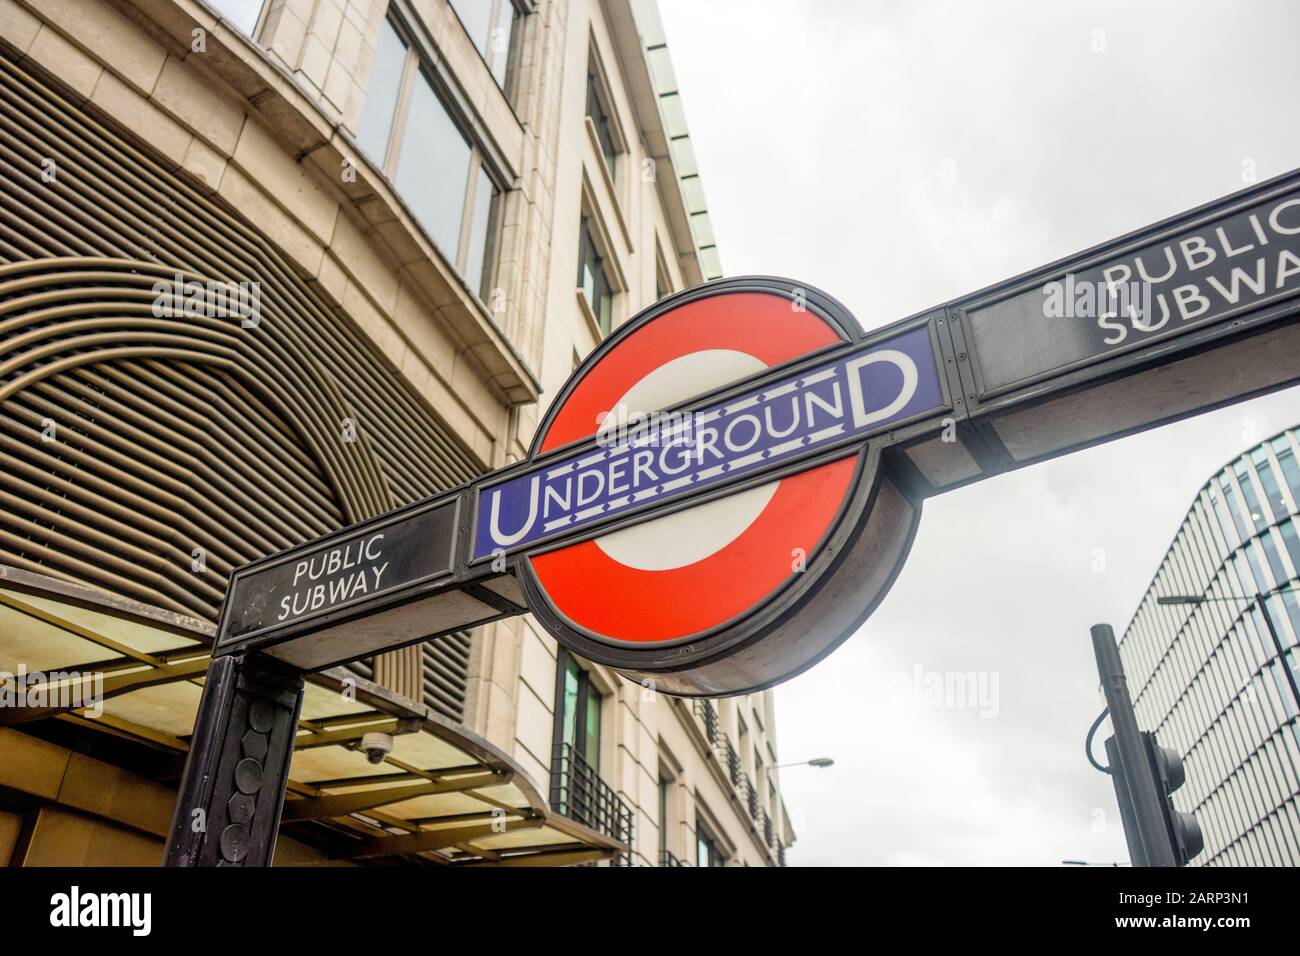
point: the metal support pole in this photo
(1136, 853)
(232, 792)
(1144, 797)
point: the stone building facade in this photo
(442, 206)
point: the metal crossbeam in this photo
(424, 841)
(319, 808)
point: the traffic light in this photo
(1183, 831)
(1144, 773)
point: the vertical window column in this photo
(592, 279)
(492, 26)
(243, 15)
(599, 116)
(437, 168)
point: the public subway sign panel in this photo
(730, 482)
(1199, 272)
(351, 568)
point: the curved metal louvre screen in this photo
(149, 454)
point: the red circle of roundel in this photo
(589, 587)
(761, 324)
(612, 600)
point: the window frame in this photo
(706, 835)
(664, 286)
(589, 691)
(419, 67)
(665, 798)
(588, 238)
(508, 83)
(259, 22)
(597, 83)
(744, 743)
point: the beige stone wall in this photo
(513, 684)
(328, 46)
(644, 733)
(266, 124)
(90, 813)
(254, 136)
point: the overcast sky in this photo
(901, 154)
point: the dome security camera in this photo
(377, 746)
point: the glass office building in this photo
(1212, 678)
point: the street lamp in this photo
(1259, 601)
(1086, 863)
(815, 762)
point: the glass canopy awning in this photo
(443, 796)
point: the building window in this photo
(1292, 542)
(243, 15)
(481, 229)
(1284, 696)
(707, 851)
(1247, 487)
(579, 713)
(1289, 603)
(436, 167)
(434, 176)
(665, 783)
(1268, 481)
(381, 96)
(1225, 518)
(663, 284)
(1286, 459)
(1271, 555)
(492, 26)
(1242, 526)
(577, 790)
(598, 112)
(742, 738)
(592, 279)
(1256, 567)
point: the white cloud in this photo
(901, 154)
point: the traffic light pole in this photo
(1149, 841)
(1136, 852)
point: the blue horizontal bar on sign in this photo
(664, 457)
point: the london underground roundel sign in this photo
(703, 505)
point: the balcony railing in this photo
(709, 714)
(733, 765)
(730, 762)
(578, 792)
(751, 797)
(667, 859)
